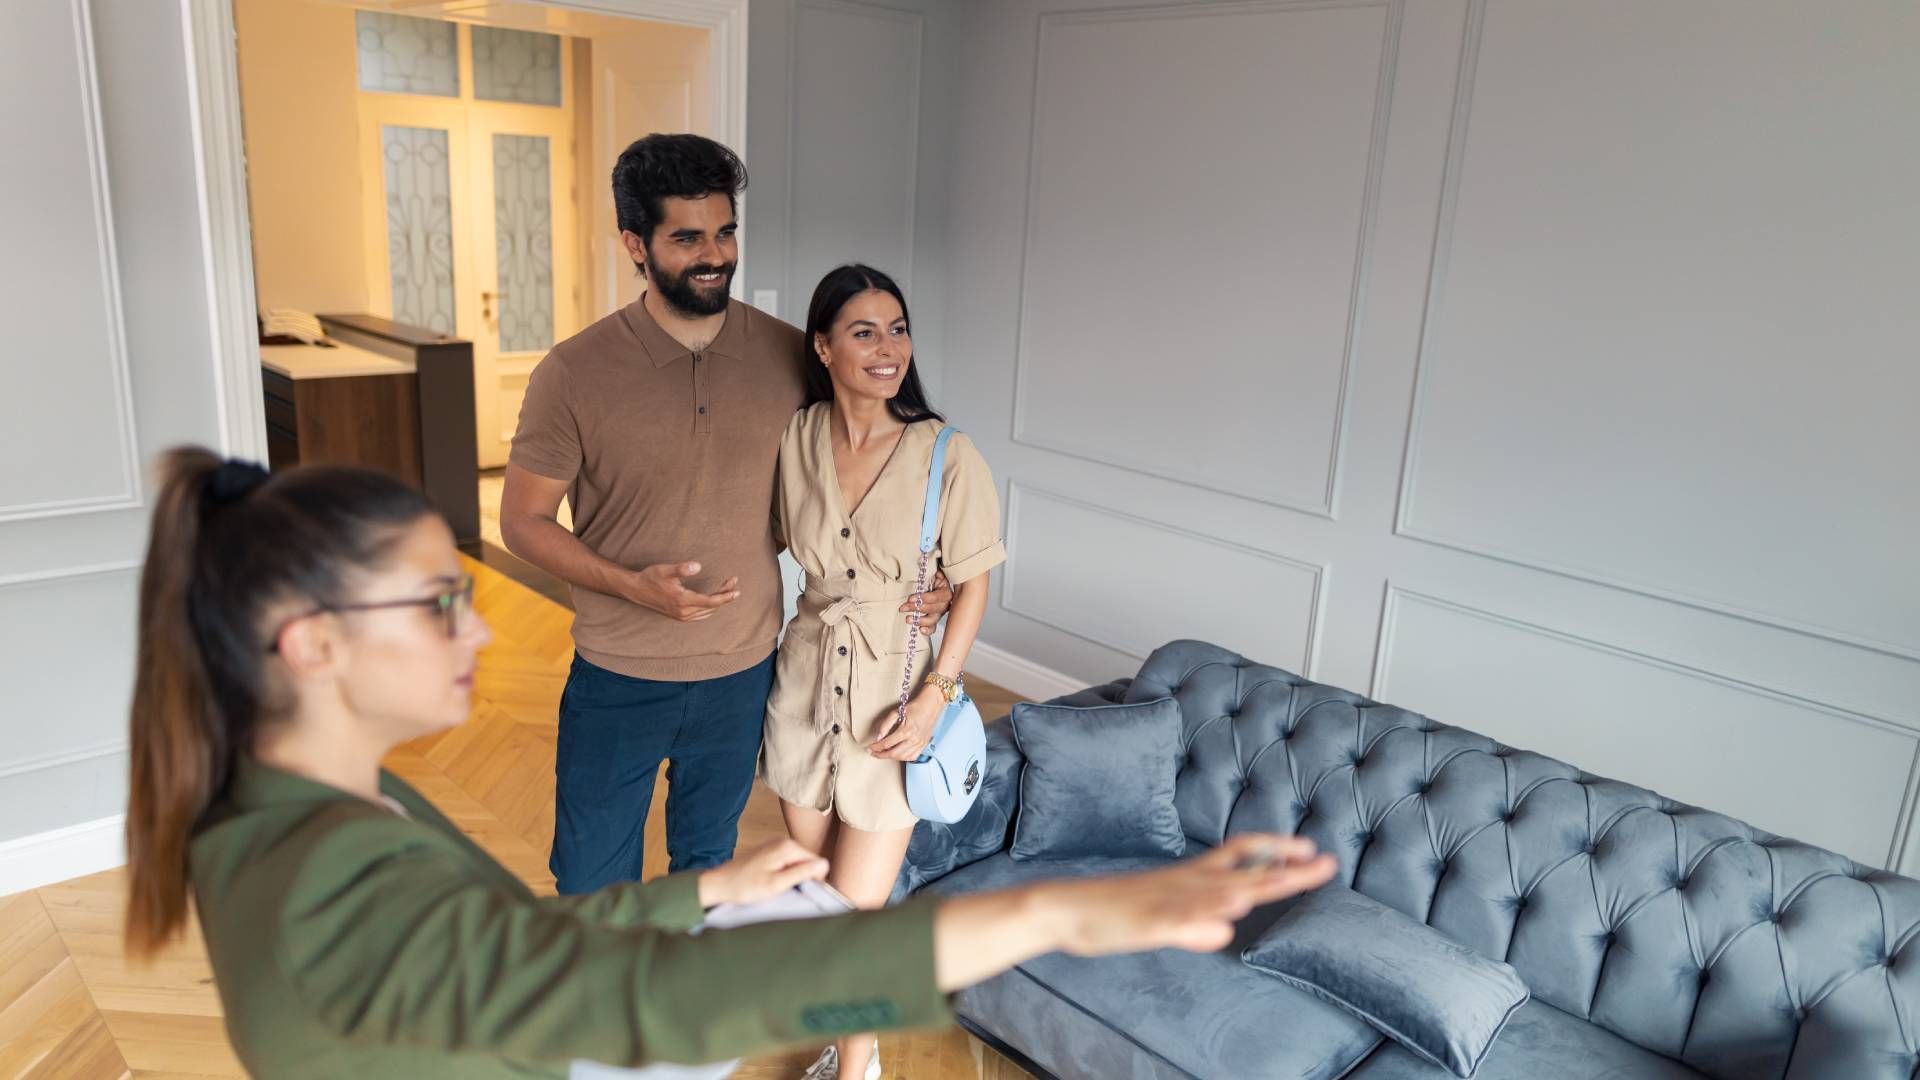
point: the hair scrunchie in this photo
(233, 481)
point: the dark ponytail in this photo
(842, 284)
(228, 546)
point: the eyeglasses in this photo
(453, 607)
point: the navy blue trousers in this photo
(615, 731)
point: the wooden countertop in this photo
(341, 361)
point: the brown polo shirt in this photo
(670, 458)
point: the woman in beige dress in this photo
(851, 490)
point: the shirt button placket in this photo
(703, 419)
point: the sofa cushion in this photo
(1098, 781)
(1540, 1041)
(1163, 1013)
(1439, 999)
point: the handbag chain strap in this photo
(913, 635)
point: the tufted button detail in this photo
(1609, 938)
(1425, 786)
(1510, 816)
(1367, 838)
(1705, 976)
(1800, 1015)
(1503, 751)
(1519, 903)
(1591, 848)
(1778, 918)
(1682, 884)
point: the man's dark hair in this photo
(663, 166)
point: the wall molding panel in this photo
(800, 292)
(1028, 426)
(1428, 369)
(130, 491)
(1258, 592)
(1890, 773)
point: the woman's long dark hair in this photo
(229, 545)
(839, 286)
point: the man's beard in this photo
(687, 298)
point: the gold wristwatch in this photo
(949, 688)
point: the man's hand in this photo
(660, 588)
(933, 603)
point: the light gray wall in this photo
(848, 139)
(109, 360)
(1547, 367)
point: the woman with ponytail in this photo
(293, 629)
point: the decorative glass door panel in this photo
(467, 137)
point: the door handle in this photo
(486, 303)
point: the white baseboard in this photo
(1020, 675)
(62, 854)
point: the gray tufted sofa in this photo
(1658, 939)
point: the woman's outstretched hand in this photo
(766, 871)
(1191, 905)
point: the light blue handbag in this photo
(945, 779)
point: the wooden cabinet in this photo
(367, 419)
(388, 397)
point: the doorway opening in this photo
(427, 199)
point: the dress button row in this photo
(844, 533)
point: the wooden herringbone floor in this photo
(72, 1007)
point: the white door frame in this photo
(226, 236)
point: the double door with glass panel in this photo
(467, 139)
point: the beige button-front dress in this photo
(838, 674)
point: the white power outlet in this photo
(767, 300)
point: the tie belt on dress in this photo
(848, 623)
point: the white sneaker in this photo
(824, 1067)
(827, 1065)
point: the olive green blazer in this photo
(349, 941)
